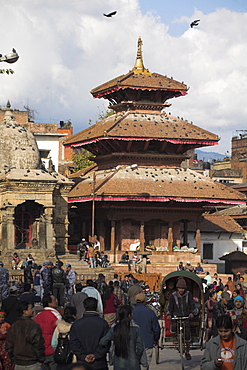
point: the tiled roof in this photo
(153, 184)
(234, 256)
(216, 223)
(234, 211)
(146, 126)
(228, 172)
(151, 81)
(33, 175)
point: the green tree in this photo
(82, 158)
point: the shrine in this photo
(141, 190)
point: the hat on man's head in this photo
(1, 264)
(238, 298)
(68, 265)
(226, 296)
(140, 297)
(181, 283)
(13, 289)
(59, 263)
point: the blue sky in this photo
(68, 48)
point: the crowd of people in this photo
(109, 323)
(94, 317)
(90, 252)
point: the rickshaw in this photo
(197, 324)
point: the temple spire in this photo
(139, 66)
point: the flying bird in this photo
(109, 15)
(195, 23)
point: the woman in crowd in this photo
(226, 350)
(110, 305)
(125, 334)
(210, 305)
(5, 362)
(63, 326)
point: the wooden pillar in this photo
(185, 240)
(170, 236)
(142, 236)
(102, 235)
(198, 236)
(113, 225)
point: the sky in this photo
(67, 48)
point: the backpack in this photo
(63, 353)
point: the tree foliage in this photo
(82, 158)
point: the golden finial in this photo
(139, 66)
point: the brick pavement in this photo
(170, 360)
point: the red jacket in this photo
(47, 320)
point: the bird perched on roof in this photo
(14, 51)
(109, 15)
(195, 23)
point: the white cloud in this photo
(68, 48)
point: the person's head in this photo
(225, 297)
(198, 264)
(15, 254)
(181, 286)
(68, 267)
(115, 276)
(13, 290)
(238, 302)
(180, 263)
(226, 287)
(101, 277)
(188, 263)
(110, 283)
(78, 287)
(140, 298)
(90, 304)
(27, 287)
(241, 279)
(239, 286)
(59, 264)
(49, 301)
(126, 252)
(229, 278)
(213, 294)
(235, 293)
(224, 327)
(116, 283)
(29, 263)
(50, 264)
(170, 284)
(90, 282)
(215, 275)
(126, 277)
(25, 309)
(38, 267)
(2, 316)
(70, 314)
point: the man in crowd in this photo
(58, 282)
(4, 281)
(16, 262)
(28, 273)
(180, 267)
(132, 293)
(220, 308)
(25, 343)
(9, 305)
(181, 304)
(94, 293)
(101, 284)
(47, 320)
(28, 295)
(118, 291)
(85, 334)
(146, 319)
(70, 282)
(77, 299)
(46, 278)
(81, 249)
(125, 259)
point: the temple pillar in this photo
(142, 236)
(102, 235)
(113, 226)
(198, 236)
(49, 227)
(8, 229)
(185, 238)
(170, 236)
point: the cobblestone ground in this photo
(170, 360)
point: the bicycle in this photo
(180, 322)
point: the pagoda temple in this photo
(141, 189)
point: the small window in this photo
(208, 251)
